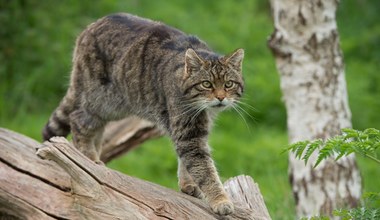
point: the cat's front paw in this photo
(192, 190)
(222, 207)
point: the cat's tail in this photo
(59, 121)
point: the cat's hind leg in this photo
(86, 128)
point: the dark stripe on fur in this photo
(188, 89)
(194, 133)
(192, 152)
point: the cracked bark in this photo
(305, 44)
(58, 182)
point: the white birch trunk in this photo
(306, 47)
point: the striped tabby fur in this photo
(125, 65)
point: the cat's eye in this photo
(228, 84)
(206, 84)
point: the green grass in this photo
(36, 43)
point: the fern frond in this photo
(324, 153)
(358, 213)
(342, 213)
(298, 148)
(344, 150)
(311, 148)
(350, 133)
(366, 143)
(373, 134)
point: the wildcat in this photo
(125, 65)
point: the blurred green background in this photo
(36, 43)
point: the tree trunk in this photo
(306, 47)
(73, 187)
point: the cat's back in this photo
(124, 26)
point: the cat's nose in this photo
(220, 98)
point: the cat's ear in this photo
(235, 59)
(192, 62)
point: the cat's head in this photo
(215, 83)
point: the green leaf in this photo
(344, 150)
(324, 153)
(372, 132)
(311, 148)
(298, 148)
(376, 146)
(350, 133)
(363, 136)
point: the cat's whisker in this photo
(188, 108)
(199, 110)
(246, 104)
(241, 115)
(244, 111)
(245, 98)
(191, 103)
(187, 111)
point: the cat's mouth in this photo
(219, 105)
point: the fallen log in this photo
(122, 136)
(58, 182)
